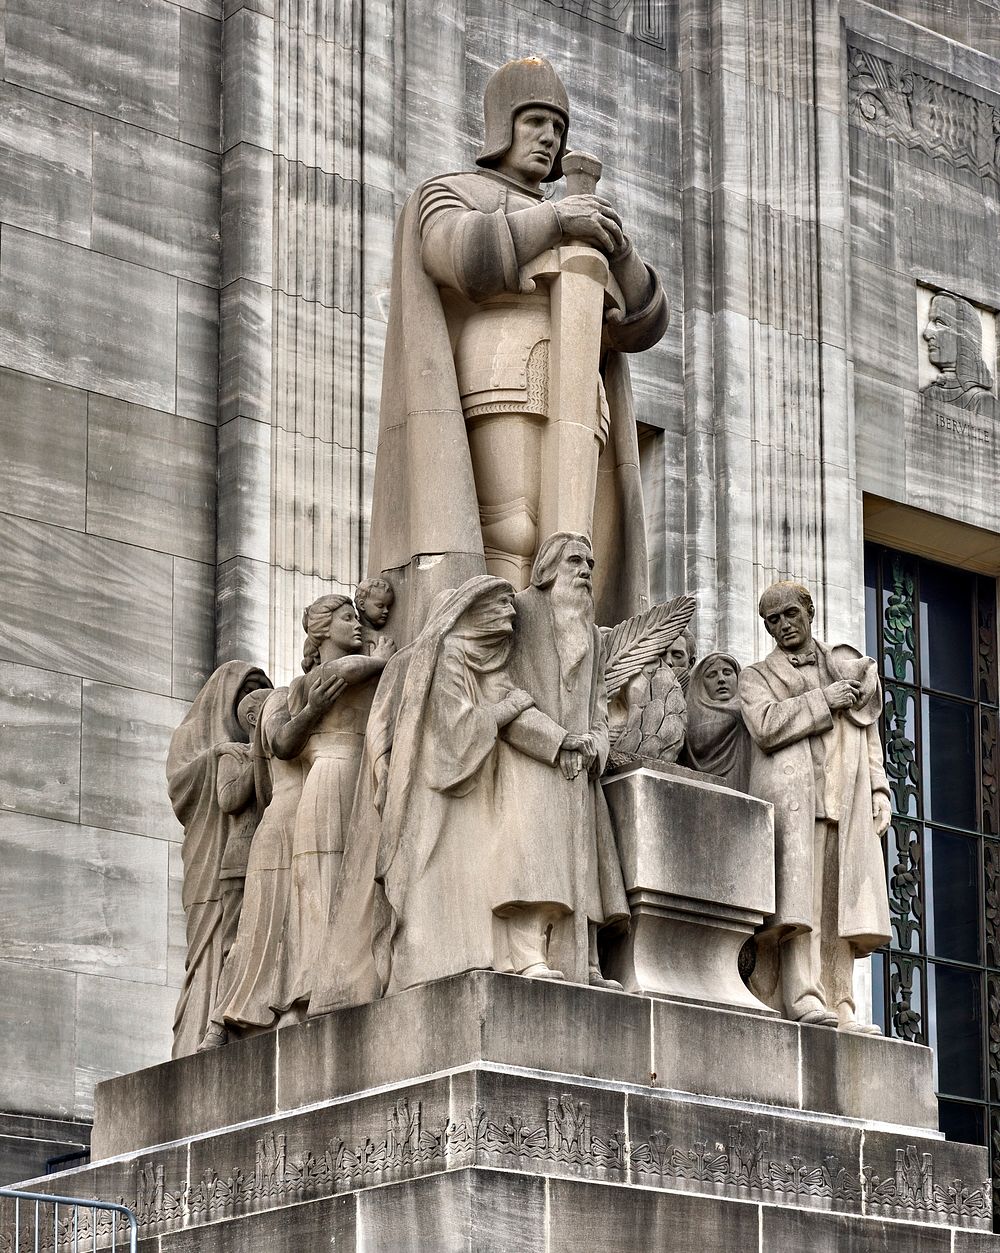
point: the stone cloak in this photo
(425, 532)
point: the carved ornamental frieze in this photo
(919, 111)
(557, 1136)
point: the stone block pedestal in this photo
(493, 1112)
(698, 862)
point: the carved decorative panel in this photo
(922, 112)
(645, 20)
(557, 1133)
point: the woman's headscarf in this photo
(717, 741)
(191, 770)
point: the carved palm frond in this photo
(637, 641)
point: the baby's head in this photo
(373, 600)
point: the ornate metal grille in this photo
(934, 630)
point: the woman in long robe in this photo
(328, 710)
(192, 770)
(717, 740)
(427, 846)
(253, 972)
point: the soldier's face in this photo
(790, 625)
(534, 145)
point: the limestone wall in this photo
(109, 273)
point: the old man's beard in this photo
(573, 614)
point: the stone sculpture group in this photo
(426, 797)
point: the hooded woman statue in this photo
(717, 740)
(428, 859)
(192, 783)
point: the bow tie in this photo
(802, 659)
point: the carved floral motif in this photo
(743, 1165)
(563, 1135)
(905, 905)
(912, 1192)
(923, 113)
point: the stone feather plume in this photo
(642, 639)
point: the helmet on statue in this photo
(516, 86)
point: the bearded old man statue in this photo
(508, 308)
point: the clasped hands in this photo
(578, 752)
(592, 220)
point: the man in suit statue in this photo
(812, 712)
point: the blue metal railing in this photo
(84, 1224)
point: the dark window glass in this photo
(957, 1031)
(951, 876)
(962, 1122)
(949, 762)
(947, 659)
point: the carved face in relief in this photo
(720, 679)
(345, 629)
(954, 339)
(789, 622)
(248, 710)
(940, 334)
(679, 655)
(533, 146)
(576, 568)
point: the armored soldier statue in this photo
(506, 408)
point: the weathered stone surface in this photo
(193, 627)
(28, 1143)
(83, 899)
(37, 1005)
(124, 746)
(124, 69)
(505, 1021)
(107, 1043)
(40, 741)
(190, 1095)
(197, 352)
(696, 1049)
(119, 630)
(43, 473)
(78, 317)
(45, 182)
(868, 1077)
(698, 864)
(156, 202)
(791, 1231)
(151, 479)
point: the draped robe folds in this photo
(425, 529)
(192, 770)
(782, 714)
(717, 740)
(255, 977)
(561, 837)
(332, 754)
